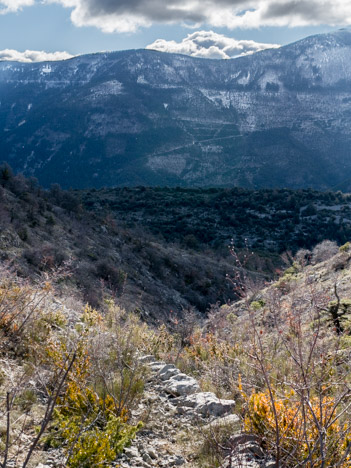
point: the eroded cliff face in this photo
(280, 117)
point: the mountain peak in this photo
(279, 118)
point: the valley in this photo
(175, 257)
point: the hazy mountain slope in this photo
(277, 118)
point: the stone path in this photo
(175, 412)
(174, 407)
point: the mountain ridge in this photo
(277, 118)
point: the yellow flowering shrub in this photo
(301, 424)
(90, 428)
(91, 317)
(93, 426)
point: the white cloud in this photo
(128, 15)
(208, 44)
(8, 6)
(32, 56)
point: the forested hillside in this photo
(43, 231)
(272, 221)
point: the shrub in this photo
(324, 251)
(80, 383)
(299, 402)
(301, 426)
(114, 277)
(23, 233)
(345, 247)
(24, 336)
(20, 313)
(256, 305)
(91, 417)
(303, 257)
(45, 258)
(6, 173)
(26, 399)
(90, 428)
(338, 312)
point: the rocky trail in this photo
(176, 415)
(177, 418)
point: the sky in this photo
(35, 30)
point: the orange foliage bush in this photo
(301, 425)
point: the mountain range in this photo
(277, 118)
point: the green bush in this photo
(90, 429)
(345, 247)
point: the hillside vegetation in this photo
(272, 221)
(69, 378)
(86, 287)
(45, 230)
(160, 250)
(283, 353)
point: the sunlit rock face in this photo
(278, 118)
